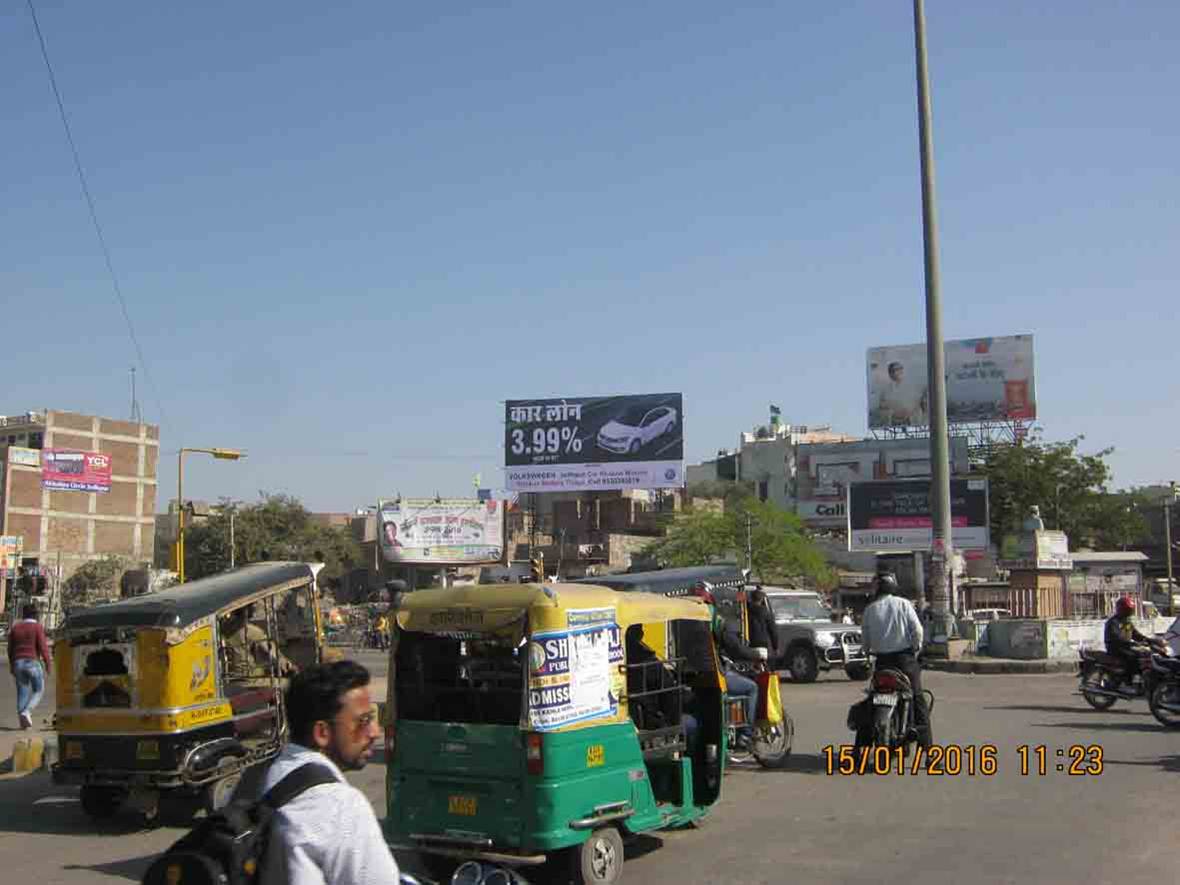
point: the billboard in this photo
(987, 379)
(893, 516)
(445, 531)
(1041, 550)
(594, 442)
(11, 547)
(69, 470)
(824, 471)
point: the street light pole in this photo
(1168, 542)
(219, 454)
(942, 558)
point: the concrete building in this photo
(73, 527)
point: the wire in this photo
(65, 121)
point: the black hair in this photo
(29, 611)
(315, 693)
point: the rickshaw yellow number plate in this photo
(73, 749)
(147, 750)
(595, 755)
(464, 806)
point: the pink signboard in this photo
(68, 470)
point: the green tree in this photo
(277, 527)
(781, 547)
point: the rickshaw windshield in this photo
(468, 678)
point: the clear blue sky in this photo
(347, 232)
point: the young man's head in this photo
(1124, 607)
(329, 709)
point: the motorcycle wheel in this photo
(883, 726)
(1097, 678)
(773, 750)
(1159, 696)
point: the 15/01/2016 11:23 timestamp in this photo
(955, 760)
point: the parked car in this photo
(631, 431)
(810, 639)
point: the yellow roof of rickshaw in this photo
(488, 607)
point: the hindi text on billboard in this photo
(426, 531)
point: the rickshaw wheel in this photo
(102, 803)
(598, 860)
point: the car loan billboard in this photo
(591, 443)
(987, 379)
(73, 471)
(446, 531)
(894, 516)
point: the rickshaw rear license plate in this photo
(147, 750)
(464, 806)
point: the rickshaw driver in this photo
(247, 650)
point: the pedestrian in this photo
(330, 832)
(29, 660)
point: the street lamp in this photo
(219, 454)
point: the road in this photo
(802, 824)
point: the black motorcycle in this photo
(886, 717)
(1164, 699)
(1106, 678)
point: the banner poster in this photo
(73, 471)
(573, 673)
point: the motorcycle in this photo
(886, 717)
(1164, 699)
(770, 743)
(1104, 677)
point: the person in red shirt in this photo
(28, 658)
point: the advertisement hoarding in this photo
(826, 470)
(69, 470)
(590, 443)
(893, 516)
(24, 457)
(1041, 550)
(11, 548)
(446, 531)
(987, 379)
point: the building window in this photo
(763, 489)
(35, 440)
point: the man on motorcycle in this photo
(1121, 636)
(891, 630)
(732, 647)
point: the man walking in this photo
(892, 631)
(29, 660)
(330, 832)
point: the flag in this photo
(775, 410)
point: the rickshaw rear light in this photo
(534, 756)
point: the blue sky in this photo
(347, 232)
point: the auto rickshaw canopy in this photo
(184, 604)
(498, 608)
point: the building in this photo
(1098, 579)
(113, 514)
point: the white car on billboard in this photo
(630, 432)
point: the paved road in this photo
(802, 824)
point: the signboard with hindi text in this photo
(440, 531)
(594, 443)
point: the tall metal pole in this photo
(1168, 542)
(180, 516)
(750, 544)
(231, 538)
(940, 480)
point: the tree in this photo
(1069, 487)
(96, 578)
(278, 527)
(781, 547)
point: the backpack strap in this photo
(306, 776)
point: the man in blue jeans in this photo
(29, 660)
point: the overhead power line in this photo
(102, 242)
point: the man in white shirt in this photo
(891, 630)
(330, 833)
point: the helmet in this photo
(886, 583)
(703, 591)
(1124, 606)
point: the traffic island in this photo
(1001, 666)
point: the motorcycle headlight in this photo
(824, 640)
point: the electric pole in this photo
(942, 550)
(750, 544)
(1168, 542)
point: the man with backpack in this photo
(330, 832)
(310, 826)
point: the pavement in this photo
(803, 823)
(992, 666)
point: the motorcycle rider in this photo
(1121, 636)
(733, 647)
(891, 630)
(763, 629)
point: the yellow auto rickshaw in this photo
(527, 723)
(176, 694)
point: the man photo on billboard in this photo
(902, 401)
